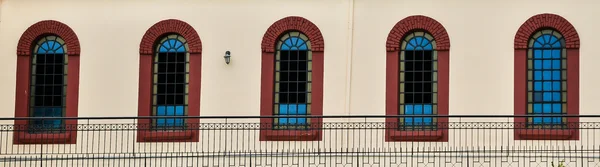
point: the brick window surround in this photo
(22, 99)
(522, 37)
(270, 38)
(147, 51)
(396, 35)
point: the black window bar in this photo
(547, 79)
(170, 76)
(418, 82)
(48, 85)
(293, 79)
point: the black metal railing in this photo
(459, 140)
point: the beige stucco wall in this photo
(481, 35)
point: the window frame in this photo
(393, 45)
(522, 38)
(148, 45)
(272, 35)
(23, 76)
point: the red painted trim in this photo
(267, 72)
(24, 52)
(438, 32)
(531, 26)
(158, 30)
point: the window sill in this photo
(399, 135)
(290, 135)
(544, 134)
(44, 138)
(158, 136)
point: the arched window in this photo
(170, 78)
(547, 78)
(292, 70)
(418, 81)
(293, 75)
(48, 84)
(169, 83)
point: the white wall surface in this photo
(481, 54)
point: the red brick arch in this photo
(171, 26)
(147, 49)
(292, 23)
(24, 53)
(48, 27)
(415, 23)
(547, 20)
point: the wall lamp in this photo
(227, 57)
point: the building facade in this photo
(338, 57)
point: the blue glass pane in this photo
(556, 96)
(553, 39)
(170, 111)
(161, 111)
(540, 40)
(418, 109)
(537, 86)
(547, 64)
(302, 109)
(303, 47)
(537, 45)
(557, 108)
(547, 41)
(556, 45)
(537, 108)
(537, 120)
(537, 75)
(419, 43)
(556, 64)
(408, 121)
(556, 86)
(413, 41)
(418, 120)
(283, 109)
(556, 120)
(172, 45)
(547, 108)
(556, 53)
(547, 75)
(410, 47)
(427, 109)
(547, 86)
(538, 96)
(428, 47)
(537, 54)
(294, 43)
(50, 47)
(547, 54)
(292, 109)
(546, 38)
(547, 96)
(556, 75)
(547, 120)
(408, 109)
(537, 64)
